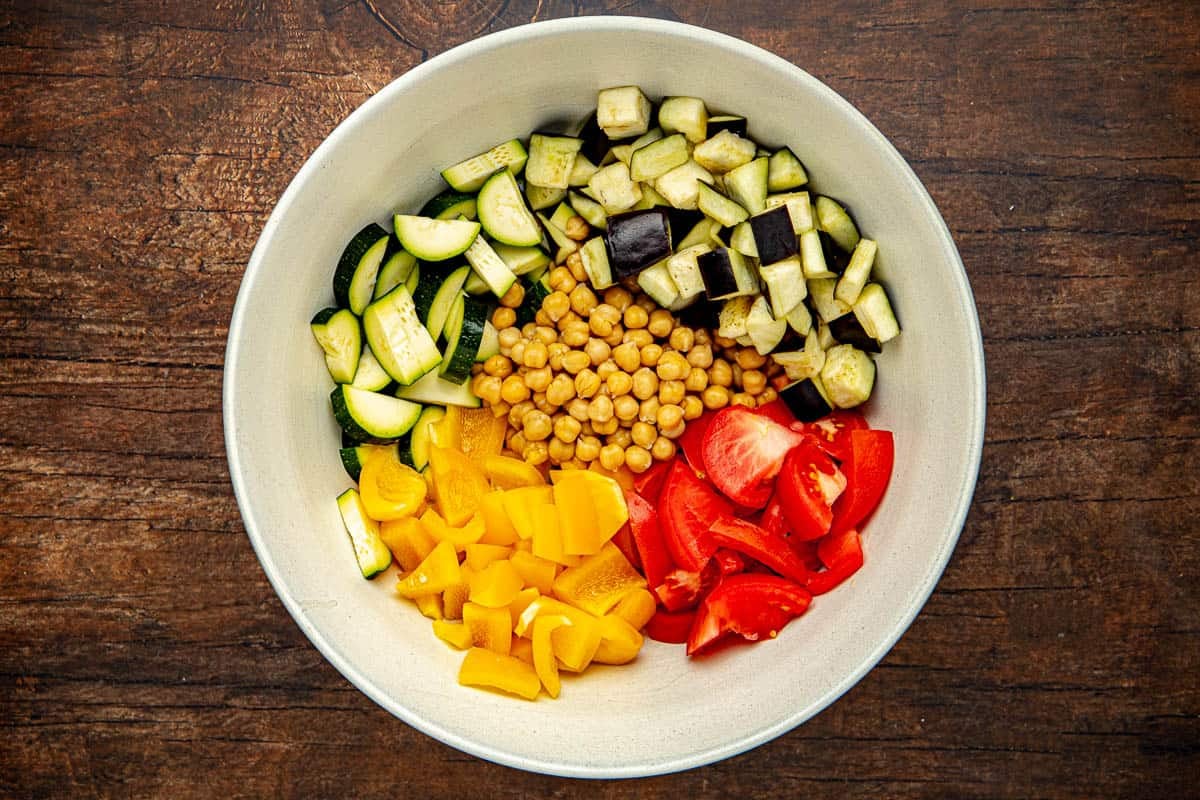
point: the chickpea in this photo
(541, 318)
(600, 326)
(600, 409)
(536, 453)
(508, 337)
(587, 448)
(604, 370)
(612, 457)
(672, 366)
(671, 392)
(644, 383)
(723, 342)
(517, 353)
(619, 383)
(587, 383)
(528, 331)
(504, 317)
(637, 458)
(536, 354)
(715, 396)
(561, 280)
(537, 426)
(499, 366)
(635, 317)
(516, 414)
(682, 339)
(575, 362)
(702, 337)
(516, 441)
(743, 399)
(669, 415)
(566, 429)
(618, 297)
(650, 354)
(693, 407)
(736, 371)
(768, 395)
(578, 408)
(598, 351)
(583, 300)
(648, 410)
(700, 356)
(748, 358)
(514, 390)
(577, 228)
(561, 390)
(673, 433)
(514, 296)
(500, 408)
(643, 433)
(556, 351)
(542, 404)
(754, 381)
(616, 337)
(662, 449)
(660, 323)
(576, 334)
(625, 408)
(538, 380)
(696, 380)
(607, 427)
(575, 264)
(546, 334)
(621, 437)
(720, 373)
(627, 356)
(639, 336)
(487, 388)
(560, 451)
(646, 302)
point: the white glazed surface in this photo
(663, 713)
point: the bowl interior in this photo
(663, 712)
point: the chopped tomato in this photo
(748, 538)
(680, 589)
(743, 452)
(692, 440)
(842, 555)
(832, 431)
(777, 410)
(801, 493)
(729, 561)
(623, 539)
(749, 605)
(670, 627)
(772, 519)
(648, 539)
(868, 470)
(649, 483)
(687, 507)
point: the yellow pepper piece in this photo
(460, 537)
(496, 586)
(579, 532)
(522, 649)
(482, 433)
(545, 664)
(623, 475)
(458, 484)
(507, 472)
(454, 634)
(437, 573)
(498, 528)
(636, 608)
(576, 645)
(608, 498)
(480, 555)
(542, 606)
(519, 503)
(504, 672)
(454, 597)
(534, 571)
(408, 541)
(547, 535)
(521, 602)
(430, 605)
(390, 489)
(619, 641)
(491, 628)
(599, 582)
(447, 431)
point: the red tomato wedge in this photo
(743, 451)
(749, 605)
(692, 440)
(842, 555)
(682, 589)
(772, 520)
(648, 540)
(800, 493)
(687, 507)
(649, 483)
(670, 627)
(776, 410)
(833, 431)
(868, 470)
(748, 538)
(729, 562)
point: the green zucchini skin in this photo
(340, 335)
(372, 417)
(463, 344)
(449, 204)
(352, 259)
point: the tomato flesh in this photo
(648, 539)
(842, 555)
(805, 511)
(868, 469)
(748, 538)
(670, 627)
(832, 431)
(749, 605)
(743, 452)
(687, 508)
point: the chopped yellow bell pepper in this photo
(454, 596)
(389, 488)
(619, 641)
(579, 532)
(576, 645)
(636, 608)
(408, 541)
(479, 556)
(521, 602)
(482, 433)
(491, 628)
(522, 649)
(430, 605)
(599, 582)
(608, 498)
(448, 431)
(544, 661)
(498, 528)
(507, 472)
(460, 537)
(454, 634)
(434, 575)
(483, 667)
(547, 535)
(519, 503)
(496, 586)
(534, 571)
(542, 606)
(623, 475)
(458, 484)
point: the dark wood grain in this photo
(142, 651)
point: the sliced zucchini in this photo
(521, 260)
(848, 375)
(785, 284)
(435, 239)
(399, 341)
(874, 312)
(687, 115)
(681, 186)
(372, 555)
(540, 197)
(339, 333)
(835, 220)
(464, 332)
(476, 285)
(562, 216)
(747, 185)
(447, 295)
(685, 272)
(354, 277)
(857, 273)
(658, 158)
(422, 436)
(489, 345)
(395, 271)
(716, 205)
(450, 205)
(614, 189)
(592, 211)
(370, 375)
(433, 389)
(594, 255)
(372, 416)
(656, 282)
(622, 111)
(764, 330)
(827, 306)
(470, 175)
(813, 256)
(724, 152)
(503, 213)
(488, 265)
(551, 159)
(784, 171)
(799, 208)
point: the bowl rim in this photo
(467, 51)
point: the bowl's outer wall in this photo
(664, 712)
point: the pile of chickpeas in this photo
(613, 379)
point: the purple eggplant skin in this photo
(703, 313)
(836, 258)
(774, 235)
(805, 401)
(636, 240)
(717, 273)
(595, 143)
(848, 330)
(735, 125)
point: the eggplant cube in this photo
(636, 240)
(774, 235)
(807, 399)
(623, 111)
(726, 274)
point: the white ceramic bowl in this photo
(662, 713)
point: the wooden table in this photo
(142, 651)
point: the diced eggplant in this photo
(747, 185)
(613, 188)
(774, 235)
(623, 111)
(683, 219)
(874, 312)
(800, 319)
(687, 115)
(657, 283)
(726, 122)
(703, 313)
(741, 238)
(848, 329)
(658, 157)
(785, 171)
(596, 143)
(679, 186)
(785, 284)
(807, 399)
(582, 171)
(726, 274)
(764, 330)
(734, 316)
(724, 152)
(700, 233)
(827, 306)
(686, 272)
(719, 207)
(813, 256)
(836, 259)
(594, 255)
(835, 219)
(636, 240)
(857, 273)
(848, 376)
(798, 206)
